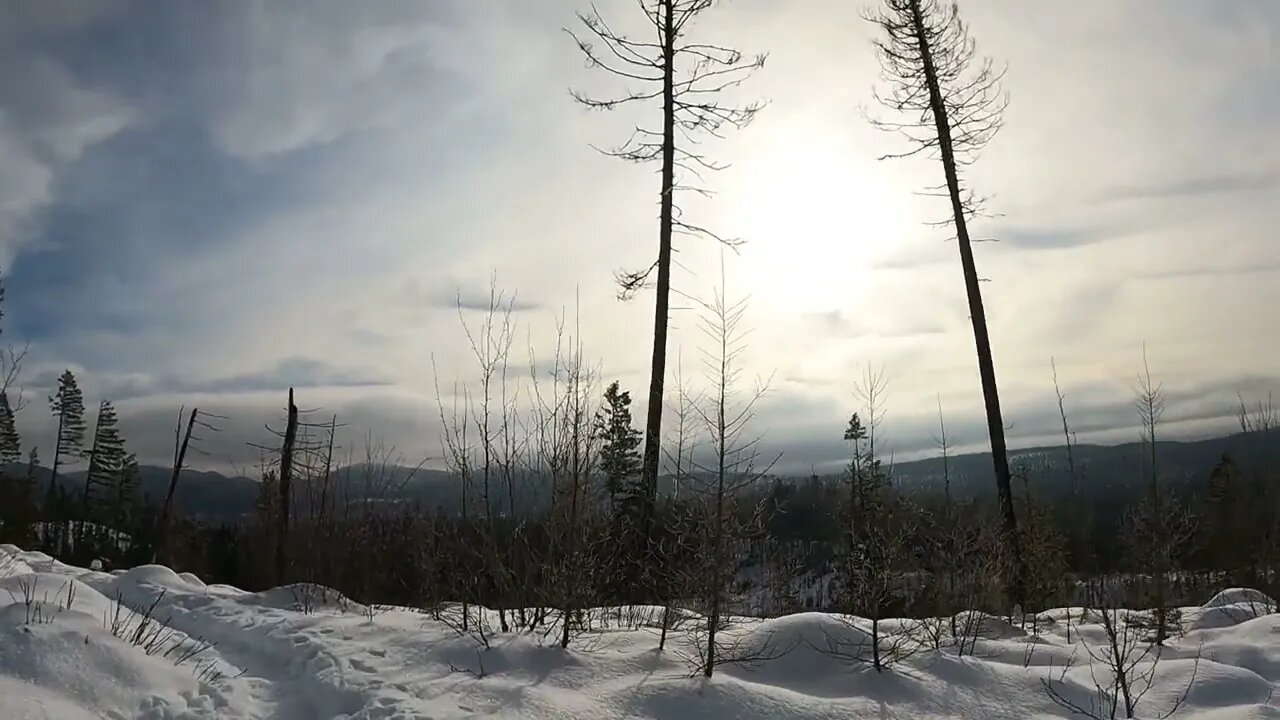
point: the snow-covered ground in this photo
(258, 655)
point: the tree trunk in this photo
(286, 473)
(657, 373)
(53, 477)
(162, 526)
(986, 367)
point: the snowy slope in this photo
(271, 660)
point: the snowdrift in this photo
(152, 643)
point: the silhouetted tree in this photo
(954, 106)
(723, 480)
(619, 459)
(67, 405)
(10, 443)
(286, 490)
(106, 462)
(686, 78)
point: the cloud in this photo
(451, 294)
(233, 198)
(838, 324)
(1198, 186)
(1052, 238)
(48, 119)
(296, 372)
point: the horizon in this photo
(300, 199)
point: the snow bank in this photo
(1241, 596)
(1230, 607)
(302, 652)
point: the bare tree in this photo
(668, 578)
(458, 450)
(1081, 529)
(294, 461)
(734, 465)
(688, 79)
(1153, 520)
(565, 449)
(1122, 671)
(181, 443)
(953, 107)
(490, 344)
(948, 534)
(875, 529)
(286, 477)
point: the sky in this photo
(203, 204)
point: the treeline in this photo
(105, 517)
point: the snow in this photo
(302, 652)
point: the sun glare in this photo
(816, 214)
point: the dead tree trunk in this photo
(286, 476)
(180, 457)
(690, 103)
(658, 364)
(954, 110)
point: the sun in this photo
(816, 214)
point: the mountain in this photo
(1115, 472)
(209, 496)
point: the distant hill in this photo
(207, 495)
(1113, 472)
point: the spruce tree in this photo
(106, 462)
(10, 443)
(619, 444)
(125, 500)
(67, 405)
(620, 463)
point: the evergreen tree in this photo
(124, 508)
(1231, 521)
(620, 463)
(67, 405)
(619, 444)
(10, 443)
(106, 463)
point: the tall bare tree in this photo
(181, 443)
(1159, 524)
(688, 79)
(953, 106)
(286, 477)
(734, 466)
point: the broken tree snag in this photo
(286, 474)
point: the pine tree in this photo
(10, 443)
(68, 406)
(125, 497)
(1231, 526)
(620, 463)
(619, 443)
(106, 462)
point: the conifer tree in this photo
(106, 462)
(619, 460)
(619, 443)
(67, 405)
(126, 493)
(10, 443)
